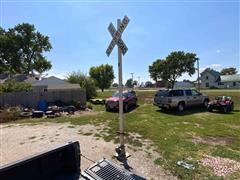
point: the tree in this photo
(22, 48)
(115, 85)
(85, 82)
(130, 83)
(103, 76)
(173, 66)
(148, 84)
(9, 58)
(228, 71)
(135, 83)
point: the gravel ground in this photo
(221, 166)
(20, 141)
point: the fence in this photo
(30, 99)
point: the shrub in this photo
(85, 82)
(89, 105)
(213, 87)
(13, 86)
(10, 114)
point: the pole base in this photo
(120, 154)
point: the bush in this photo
(89, 105)
(213, 87)
(85, 82)
(10, 114)
(13, 86)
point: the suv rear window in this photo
(162, 93)
(176, 93)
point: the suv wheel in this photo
(225, 109)
(107, 108)
(205, 103)
(210, 108)
(125, 108)
(180, 107)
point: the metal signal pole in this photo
(122, 49)
(121, 131)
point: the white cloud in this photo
(216, 65)
(218, 51)
(213, 66)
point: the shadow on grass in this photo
(132, 108)
(187, 111)
(192, 110)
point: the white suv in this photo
(180, 99)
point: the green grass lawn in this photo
(172, 132)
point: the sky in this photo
(78, 32)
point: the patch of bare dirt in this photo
(81, 113)
(20, 141)
(213, 140)
(148, 100)
(221, 166)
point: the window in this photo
(162, 93)
(207, 84)
(220, 83)
(176, 93)
(188, 93)
(206, 77)
(234, 83)
(195, 93)
(130, 95)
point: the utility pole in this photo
(198, 75)
(132, 79)
(139, 81)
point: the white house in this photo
(53, 83)
(212, 79)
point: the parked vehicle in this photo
(180, 99)
(129, 100)
(221, 103)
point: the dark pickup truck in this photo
(63, 163)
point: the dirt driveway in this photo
(19, 141)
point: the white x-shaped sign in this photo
(116, 34)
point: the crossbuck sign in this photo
(122, 49)
(116, 35)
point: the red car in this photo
(129, 100)
(221, 103)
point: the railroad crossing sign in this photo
(116, 35)
(122, 49)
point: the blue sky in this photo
(79, 36)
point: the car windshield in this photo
(162, 93)
(117, 94)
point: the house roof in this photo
(55, 83)
(230, 78)
(213, 72)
